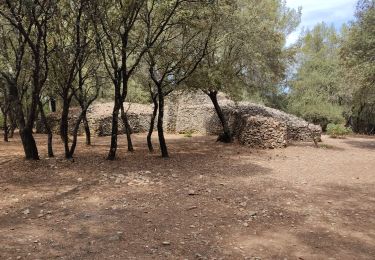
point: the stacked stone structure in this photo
(262, 132)
(252, 124)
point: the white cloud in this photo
(334, 12)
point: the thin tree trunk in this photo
(48, 129)
(64, 128)
(128, 129)
(226, 136)
(162, 142)
(75, 135)
(87, 129)
(5, 125)
(113, 149)
(152, 124)
(13, 126)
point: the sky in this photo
(334, 12)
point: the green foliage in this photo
(316, 109)
(137, 93)
(316, 89)
(246, 50)
(357, 55)
(338, 130)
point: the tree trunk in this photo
(64, 128)
(152, 124)
(48, 129)
(75, 135)
(5, 125)
(26, 130)
(87, 130)
(226, 136)
(112, 151)
(128, 129)
(29, 144)
(163, 145)
(13, 126)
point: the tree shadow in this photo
(334, 222)
(367, 144)
(209, 200)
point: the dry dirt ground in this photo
(208, 201)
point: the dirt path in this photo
(209, 201)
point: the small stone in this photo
(80, 180)
(253, 213)
(166, 243)
(246, 224)
(26, 212)
(192, 193)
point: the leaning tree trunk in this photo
(48, 129)
(25, 128)
(162, 142)
(226, 136)
(128, 129)
(152, 124)
(29, 144)
(87, 129)
(75, 135)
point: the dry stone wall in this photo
(252, 124)
(100, 119)
(262, 132)
(195, 113)
(54, 119)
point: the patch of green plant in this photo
(338, 130)
(187, 133)
(326, 146)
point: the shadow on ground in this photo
(208, 201)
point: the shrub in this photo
(338, 130)
(316, 111)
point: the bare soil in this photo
(208, 201)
